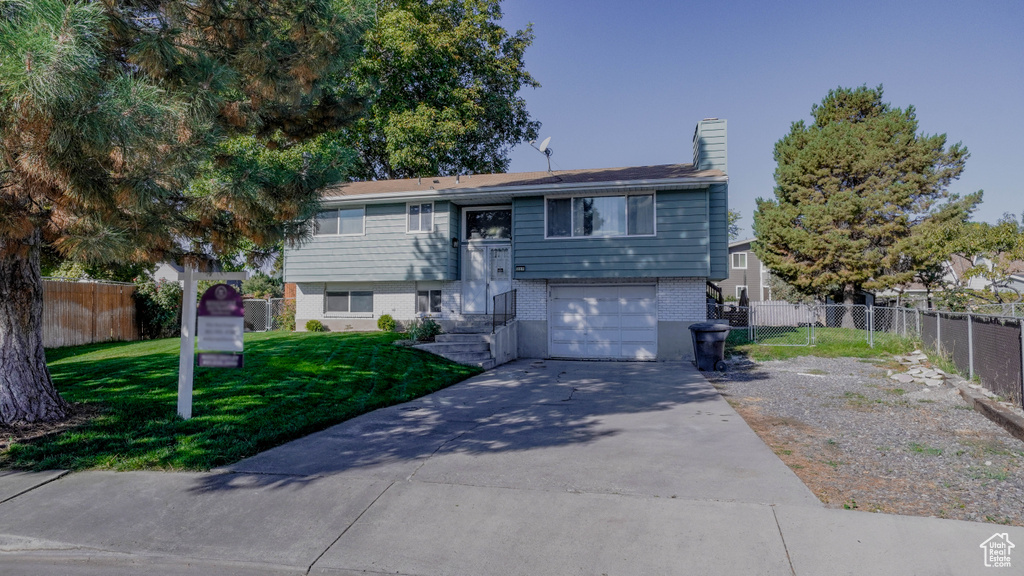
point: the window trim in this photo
(429, 312)
(337, 210)
(732, 262)
(462, 230)
(349, 314)
(572, 224)
(433, 218)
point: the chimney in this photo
(709, 145)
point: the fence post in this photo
(917, 316)
(269, 324)
(871, 326)
(970, 345)
(938, 333)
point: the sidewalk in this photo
(533, 468)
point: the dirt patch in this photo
(860, 441)
(29, 432)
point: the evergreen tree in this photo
(148, 130)
(850, 189)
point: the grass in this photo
(292, 384)
(922, 449)
(827, 342)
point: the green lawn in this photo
(292, 384)
(783, 343)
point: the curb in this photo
(1013, 423)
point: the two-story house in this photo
(746, 272)
(606, 263)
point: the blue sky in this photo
(624, 83)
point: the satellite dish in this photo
(544, 149)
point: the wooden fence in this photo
(85, 312)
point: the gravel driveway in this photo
(859, 440)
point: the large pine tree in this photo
(851, 190)
(145, 130)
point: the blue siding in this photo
(385, 252)
(719, 217)
(681, 247)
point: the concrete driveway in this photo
(537, 467)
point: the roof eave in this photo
(532, 190)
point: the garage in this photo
(617, 322)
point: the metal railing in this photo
(714, 292)
(504, 309)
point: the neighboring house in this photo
(167, 272)
(956, 275)
(745, 271)
(606, 263)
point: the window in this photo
(488, 224)
(344, 221)
(358, 302)
(739, 260)
(421, 217)
(739, 291)
(608, 216)
(428, 301)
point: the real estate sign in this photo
(220, 328)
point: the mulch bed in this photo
(860, 440)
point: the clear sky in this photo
(624, 83)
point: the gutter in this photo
(531, 190)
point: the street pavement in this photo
(534, 468)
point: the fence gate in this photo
(257, 315)
(781, 324)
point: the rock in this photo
(933, 382)
(902, 378)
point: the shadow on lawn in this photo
(521, 406)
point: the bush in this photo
(315, 326)
(158, 308)
(259, 285)
(285, 319)
(424, 330)
(386, 323)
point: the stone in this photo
(933, 382)
(902, 378)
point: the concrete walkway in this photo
(533, 468)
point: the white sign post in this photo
(186, 360)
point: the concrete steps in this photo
(470, 348)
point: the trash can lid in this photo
(709, 327)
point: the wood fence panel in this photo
(76, 313)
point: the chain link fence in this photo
(264, 315)
(987, 347)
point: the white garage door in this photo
(617, 321)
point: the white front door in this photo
(486, 273)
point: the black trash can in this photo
(709, 345)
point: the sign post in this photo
(186, 359)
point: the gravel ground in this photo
(860, 440)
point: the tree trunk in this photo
(27, 393)
(848, 293)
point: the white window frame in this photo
(733, 258)
(572, 224)
(739, 290)
(433, 218)
(349, 290)
(465, 209)
(337, 210)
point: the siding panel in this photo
(385, 252)
(680, 248)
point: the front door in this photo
(486, 273)
(486, 257)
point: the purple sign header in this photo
(221, 300)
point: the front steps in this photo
(471, 348)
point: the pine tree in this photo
(850, 190)
(147, 130)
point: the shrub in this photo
(259, 285)
(315, 326)
(158, 308)
(424, 330)
(285, 319)
(386, 323)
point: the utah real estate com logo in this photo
(997, 550)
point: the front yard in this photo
(292, 384)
